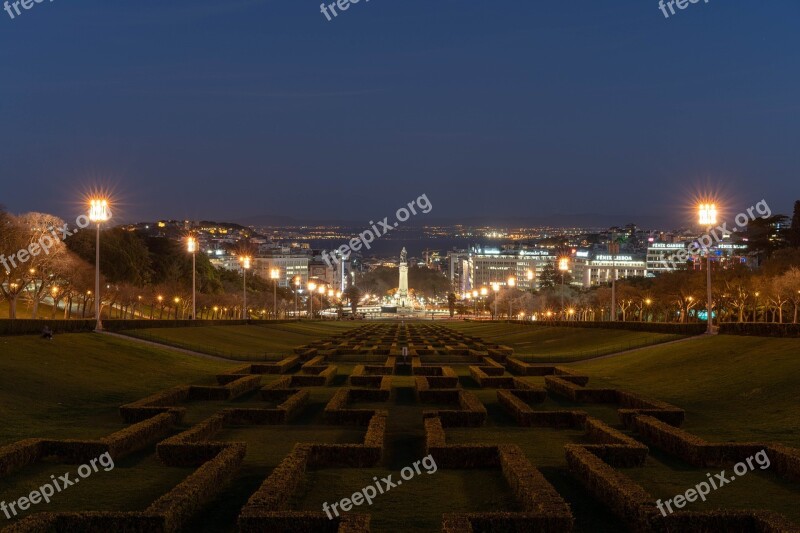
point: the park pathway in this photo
(168, 347)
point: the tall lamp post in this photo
(245, 266)
(98, 213)
(496, 289)
(708, 218)
(296, 289)
(563, 266)
(613, 249)
(191, 247)
(311, 288)
(274, 274)
(512, 281)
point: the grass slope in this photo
(245, 342)
(72, 386)
(550, 344)
(733, 388)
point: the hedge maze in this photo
(368, 408)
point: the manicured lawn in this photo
(733, 388)
(246, 343)
(72, 386)
(544, 344)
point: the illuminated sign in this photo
(671, 246)
(614, 258)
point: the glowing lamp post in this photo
(708, 218)
(311, 288)
(512, 282)
(191, 247)
(98, 213)
(296, 289)
(563, 266)
(496, 289)
(245, 266)
(274, 275)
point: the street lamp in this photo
(177, 301)
(98, 213)
(496, 289)
(311, 288)
(274, 275)
(512, 281)
(296, 289)
(613, 249)
(191, 247)
(708, 218)
(563, 266)
(245, 266)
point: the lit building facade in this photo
(482, 266)
(590, 269)
(290, 267)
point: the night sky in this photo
(236, 108)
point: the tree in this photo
(451, 304)
(548, 276)
(794, 232)
(353, 294)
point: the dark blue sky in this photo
(234, 108)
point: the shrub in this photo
(277, 490)
(155, 404)
(141, 435)
(179, 504)
(626, 499)
(226, 392)
(760, 329)
(20, 454)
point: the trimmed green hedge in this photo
(652, 327)
(34, 327)
(760, 329)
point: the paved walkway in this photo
(168, 347)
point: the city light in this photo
(707, 214)
(99, 212)
(245, 260)
(563, 264)
(191, 247)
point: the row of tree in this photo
(142, 277)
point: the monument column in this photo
(402, 290)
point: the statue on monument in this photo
(402, 287)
